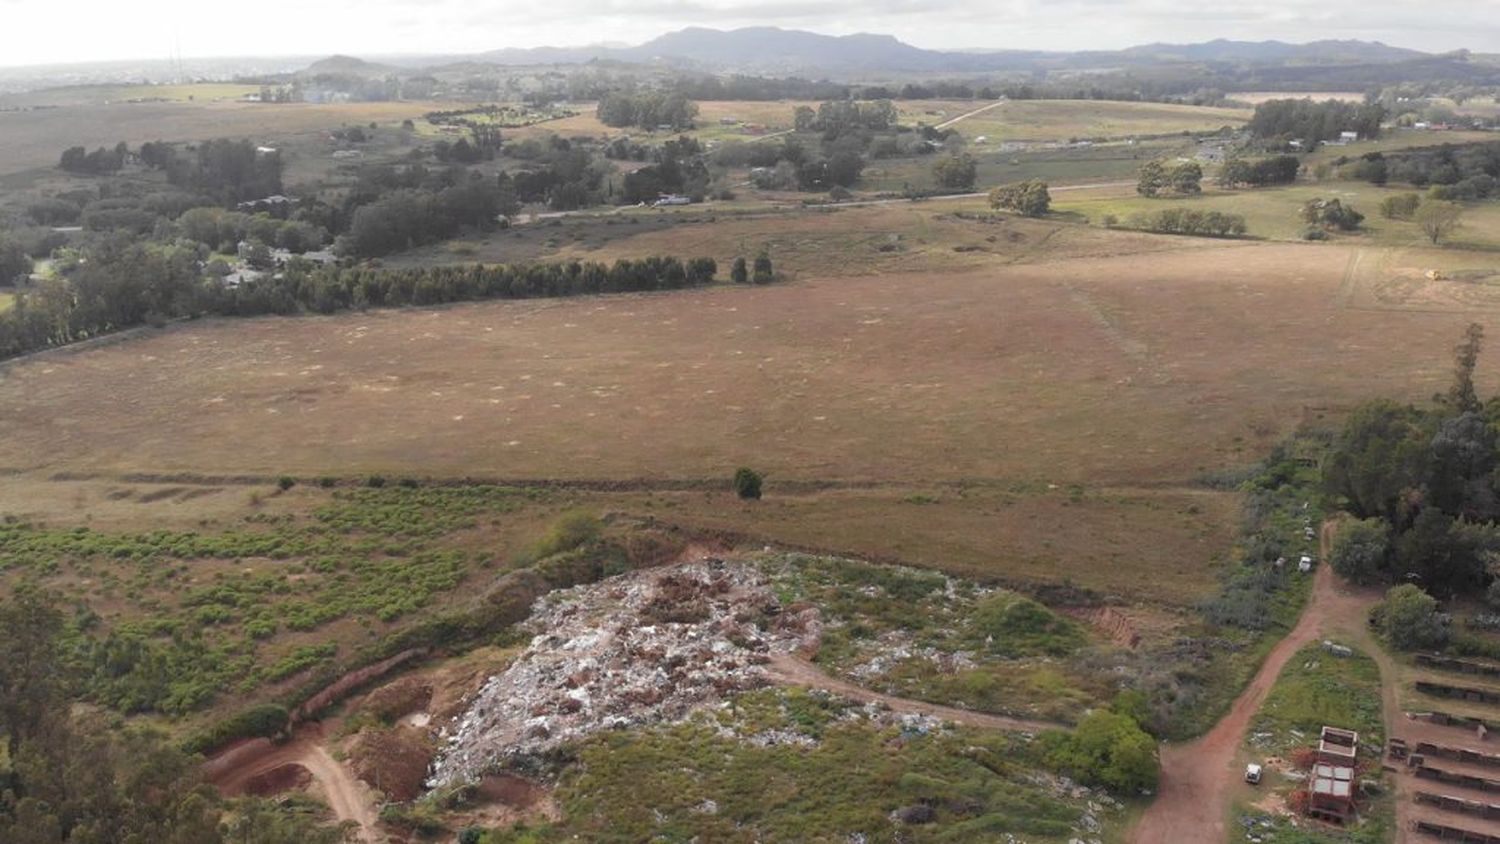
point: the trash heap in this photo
(640, 648)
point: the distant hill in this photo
(348, 66)
(772, 49)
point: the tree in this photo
(747, 483)
(14, 264)
(1151, 179)
(1235, 172)
(1462, 396)
(1108, 749)
(1409, 619)
(1029, 199)
(956, 171)
(738, 272)
(1402, 206)
(762, 272)
(1361, 550)
(1186, 178)
(1331, 214)
(1437, 219)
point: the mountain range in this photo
(772, 49)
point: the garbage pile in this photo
(640, 648)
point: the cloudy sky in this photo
(58, 31)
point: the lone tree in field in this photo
(763, 273)
(1151, 178)
(739, 273)
(1029, 198)
(747, 483)
(1438, 219)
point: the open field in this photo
(1275, 213)
(36, 138)
(1060, 120)
(1056, 166)
(97, 95)
(942, 375)
(1258, 97)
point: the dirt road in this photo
(981, 110)
(232, 771)
(1193, 800)
(794, 671)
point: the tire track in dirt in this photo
(791, 670)
(350, 801)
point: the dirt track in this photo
(349, 799)
(794, 671)
(1196, 778)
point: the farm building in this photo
(1331, 787)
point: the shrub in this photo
(1409, 619)
(763, 273)
(375, 481)
(285, 482)
(1360, 551)
(264, 721)
(571, 530)
(739, 273)
(1400, 207)
(1106, 749)
(747, 483)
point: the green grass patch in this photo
(1318, 688)
(832, 775)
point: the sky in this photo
(53, 32)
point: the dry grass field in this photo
(35, 139)
(1021, 413)
(1123, 367)
(1061, 120)
(1258, 97)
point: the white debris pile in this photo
(641, 648)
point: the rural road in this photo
(1193, 799)
(232, 770)
(794, 671)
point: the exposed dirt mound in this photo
(289, 777)
(398, 699)
(509, 790)
(394, 761)
(1109, 621)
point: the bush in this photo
(264, 721)
(739, 273)
(1360, 551)
(285, 482)
(747, 483)
(375, 481)
(571, 530)
(1409, 619)
(1402, 206)
(1107, 749)
(762, 272)
(1029, 198)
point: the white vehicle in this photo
(1252, 774)
(1305, 564)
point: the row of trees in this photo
(1470, 171)
(1315, 121)
(1183, 178)
(1189, 221)
(1260, 173)
(126, 283)
(408, 218)
(647, 110)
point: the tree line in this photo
(125, 283)
(647, 110)
(1315, 121)
(1422, 481)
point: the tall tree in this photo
(1438, 219)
